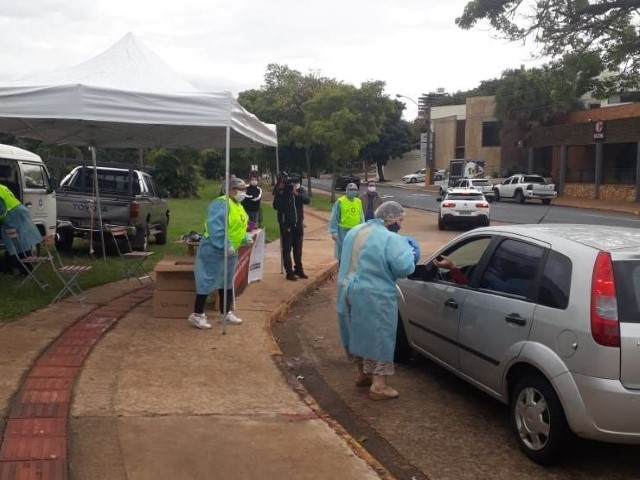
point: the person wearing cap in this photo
(345, 214)
(15, 216)
(251, 203)
(213, 253)
(374, 257)
(371, 200)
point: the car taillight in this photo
(134, 210)
(605, 327)
(482, 205)
(448, 205)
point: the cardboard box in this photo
(175, 274)
(179, 304)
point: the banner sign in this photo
(256, 260)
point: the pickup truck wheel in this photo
(64, 240)
(496, 195)
(538, 420)
(519, 196)
(141, 240)
(161, 236)
(546, 201)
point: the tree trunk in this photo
(334, 178)
(380, 173)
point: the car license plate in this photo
(464, 213)
(82, 223)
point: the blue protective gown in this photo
(212, 252)
(373, 258)
(19, 219)
(334, 227)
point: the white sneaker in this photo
(231, 319)
(199, 321)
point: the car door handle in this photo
(516, 319)
(451, 303)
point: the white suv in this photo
(463, 206)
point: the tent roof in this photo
(126, 97)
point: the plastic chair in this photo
(68, 274)
(135, 266)
(30, 264)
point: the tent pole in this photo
(227, 159)
(98, 205)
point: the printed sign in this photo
(599, 130)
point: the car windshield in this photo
(465, 196)
(481, 183)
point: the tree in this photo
(603, 33)
(176, 170)
(344, 118)
(395, 139)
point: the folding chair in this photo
(135, 266)
(68, 274)
(30, 263)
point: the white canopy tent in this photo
(127, 97)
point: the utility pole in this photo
(425, 103)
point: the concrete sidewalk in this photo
(106, 392)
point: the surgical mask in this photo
(296, 186)
(352, 193)
(394, 227)
(240, 196)
(371, 189)
(254, 182)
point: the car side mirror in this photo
(164, 193)
(53, 185)
(439, 199)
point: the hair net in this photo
(390, 212)
(234, 183)
(352, 186)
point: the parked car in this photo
(463, 206)
(128, 198)
(439, 175)
(415, 177)
(545, 318)
(480, 184)
(345, 179)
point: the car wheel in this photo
(538, 421)
(496, 195)
(403, 351)
(546, 201)
(413, 180)
(441, 225)
(486, 222)
(161, 236)
(141, 240)
(64, 240)
(519, 196)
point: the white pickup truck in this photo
(525, 187)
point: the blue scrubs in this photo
(373, 258)
(19, 219)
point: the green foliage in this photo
(395, 139)
(601, 36)
(176, 170)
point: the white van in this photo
(25, 174)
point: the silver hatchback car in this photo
(545, 318)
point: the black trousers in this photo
(291, 240)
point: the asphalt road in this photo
(505, 211)
(440, 427)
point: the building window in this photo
(490, 134)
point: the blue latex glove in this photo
(415, 248)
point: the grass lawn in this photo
(186, 215)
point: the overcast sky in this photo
(412, 45)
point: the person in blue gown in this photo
(373, 257)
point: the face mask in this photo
(254, 182)
(394, 227)
(240, 196)
(352, 194)
(296, 186)
(371, 189)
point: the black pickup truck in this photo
(128, 198)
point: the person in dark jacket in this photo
(288, 200)
(371, 200)
(251, 202)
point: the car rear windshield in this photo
(534, 179)
(465, 196)
(627, 277)
(481, 183)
